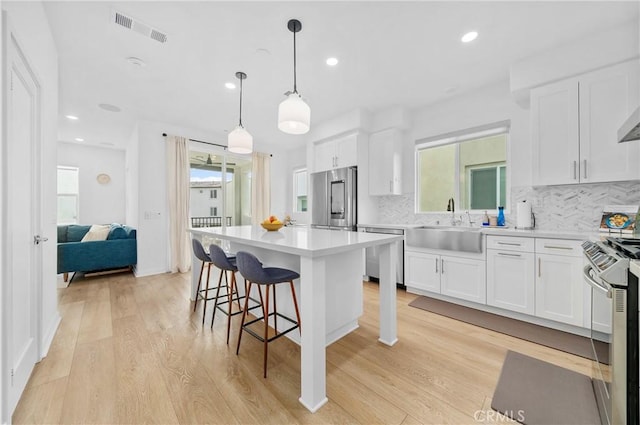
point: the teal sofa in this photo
(118, 251)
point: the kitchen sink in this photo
(451, 238)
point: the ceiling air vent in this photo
(138, 26)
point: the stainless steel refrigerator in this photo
(334, 199)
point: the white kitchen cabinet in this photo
(385, 162)
(463, 278)
(457, 277)
(574, 126)
(422, 271)
(511, 274)
(336, 153)
(559, 287)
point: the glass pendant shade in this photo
(240, 141)
(294, 115)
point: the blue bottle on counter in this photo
(500, 216)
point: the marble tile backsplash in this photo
(571, 207)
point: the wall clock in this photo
(103, 178)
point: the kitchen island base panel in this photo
(388, 314)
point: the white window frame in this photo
(69, 194)
(494, 129)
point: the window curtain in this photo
(260, 187)
(177, 149)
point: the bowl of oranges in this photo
(272, 224)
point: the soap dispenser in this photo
(500, 216)
(485, 219)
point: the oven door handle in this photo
(604, 288)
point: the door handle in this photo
(37, 239)
(539, 267)
(442, 266)
(390, 186)
(436, 265)
(575, 165)
(584, 165)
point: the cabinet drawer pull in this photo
(442, 266)
(584, 164)
(509, 255)
(559, 247)
(539, 267)
(436, 265)
(509, 243)
(575, 165)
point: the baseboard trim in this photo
(49, 335)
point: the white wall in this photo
(98, 203)
(34, 35)
(148, 173)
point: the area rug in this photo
(534, 392)
(559, 340)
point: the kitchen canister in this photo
(524, 216)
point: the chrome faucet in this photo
(469, 218)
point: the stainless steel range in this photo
(615, 338)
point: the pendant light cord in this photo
(295, 87)
(240, 122)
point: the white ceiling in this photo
(391, 53)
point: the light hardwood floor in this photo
(132, 351)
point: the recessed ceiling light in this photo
(230, 86)
(108, 107)
(470, 36)
(332, 61)
(136, 61)
(71, 117)
(79, 139)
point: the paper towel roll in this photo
(523, 218)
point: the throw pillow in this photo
(116, 231)
(98, 232)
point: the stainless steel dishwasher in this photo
(372, 268)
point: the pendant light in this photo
(239, 140)
(294, 115)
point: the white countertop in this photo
(390, 226)
(298, 240)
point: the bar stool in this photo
(251, 268)
(227, 264)
(202, 255)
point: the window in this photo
(213, 211)
(300, 190)
(468, 166)
(214, 194)
(68, 188)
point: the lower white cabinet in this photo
(560, 288)
(463, 278)
(457, 277)
(510, 280)
(422, 271)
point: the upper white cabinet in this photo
(574, 126)
(385, 162)
(336, 153)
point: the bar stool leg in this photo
(266, 330)
(275, 311)
(206, 293)
(295, 304)
(234, 282)
(230, 302)
(215, 303)
(244, 315)
(195, 303)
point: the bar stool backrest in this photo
(251, 268)
(219, 258)
(199, 251)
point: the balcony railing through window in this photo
(209, 221)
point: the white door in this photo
(510, 280)
(22, 256)
(559, 288)
(554, 133)
(607, 99)
(422, 271)
(463, 278)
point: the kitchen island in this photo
(331, 265)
